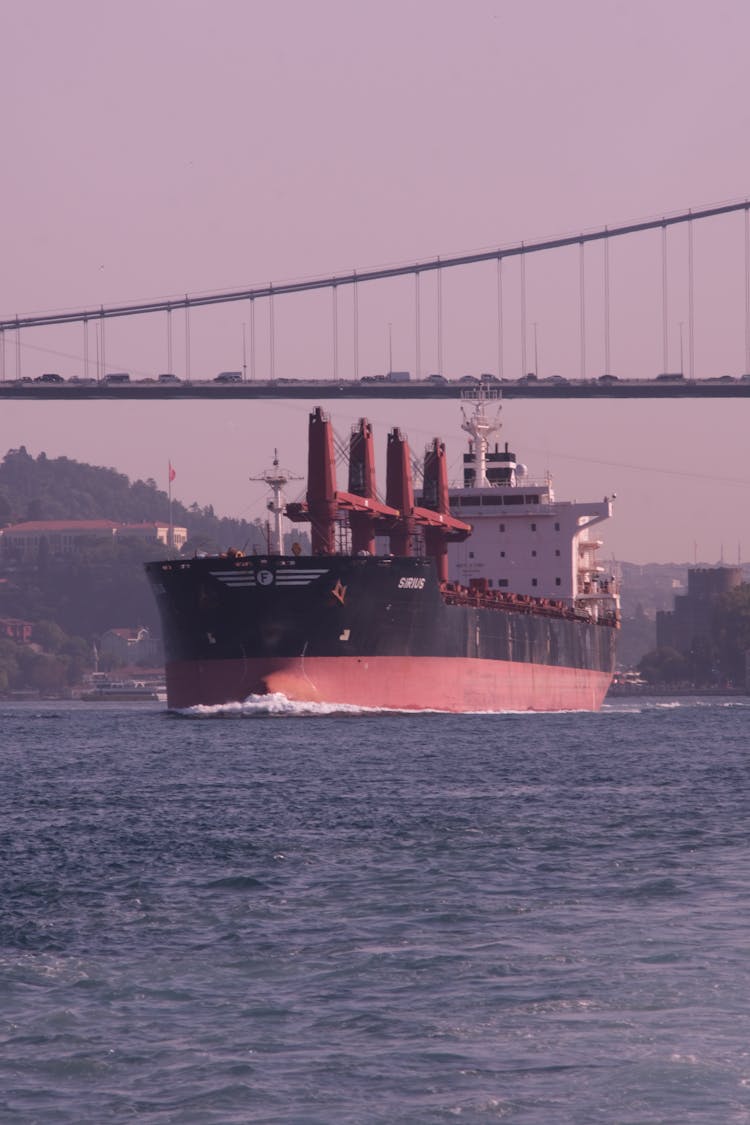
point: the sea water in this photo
(267, 914)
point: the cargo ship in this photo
(486, 596)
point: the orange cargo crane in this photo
(440, 527)
(324, 500)
(399, 517)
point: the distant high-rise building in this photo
(690, 623)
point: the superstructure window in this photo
(502, 527)
(502, 581)
(558, 581)
(533, 554)
(557, 553)
(532, 499)
(533, 527)
(557, 527)
(502, 554)
(534, 582)
(513, 500)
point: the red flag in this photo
(172, 473)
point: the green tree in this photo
(731, 629)
(9, 670)
(49, 635)
(47, 673)
(101, 585)
(664, 666)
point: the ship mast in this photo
(276, 478)
(480, 429)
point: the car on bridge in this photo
(49, 377)
(228, 377)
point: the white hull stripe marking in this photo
(281, 578)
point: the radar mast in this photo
(480, 428)
(276, 478)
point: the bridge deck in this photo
(303, 389)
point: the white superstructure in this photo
(524, 541)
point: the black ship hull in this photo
(369, 631)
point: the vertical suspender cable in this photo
(691, 304)
(2, 354)
(355, 310)
(417, 329)
(523, 313)
(606, 308)
(104, 360)
(85, 349)
(271, 335)
(664, 301)
(170, 368)
(187, 339)
(335, 329)
(747, 291)
(252, 339)
(582, 282)
(440, 318)
(499, 318)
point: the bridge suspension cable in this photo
(439, 264)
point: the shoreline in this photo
(620, 691)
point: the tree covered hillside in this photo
(76, 597)
(44, 488)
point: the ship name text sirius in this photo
(482, 597)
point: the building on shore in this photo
(131, 646)
(64, 537)
(14, 629)
(691, 620)
(713, 653)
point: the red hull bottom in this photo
(399, 682)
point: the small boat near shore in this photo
(105, 689)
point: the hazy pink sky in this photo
(155, 149)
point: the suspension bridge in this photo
(676, 305)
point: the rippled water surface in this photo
(264, 916)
